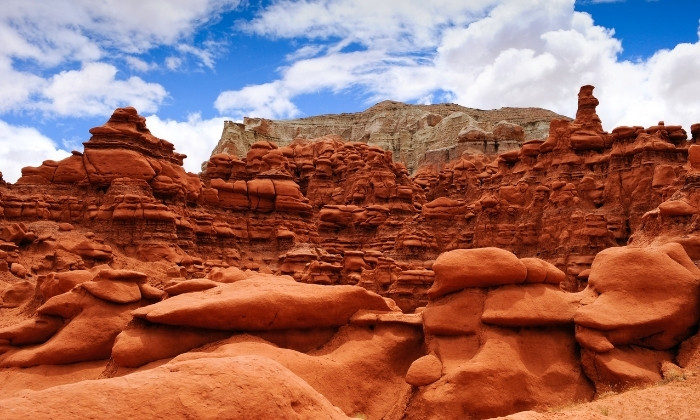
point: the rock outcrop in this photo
(264, 388)
(415, 134)
(551, 273)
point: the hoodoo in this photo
(479, 267)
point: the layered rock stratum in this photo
(319, 279)
(414, 134)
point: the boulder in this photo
(263, 303)
(122, 275)
(480, 267)
(624, 367)
(227, 275)
(424, 371)
(511, 371)
(113, 291)
(648, 296)
(16, 294)
(178, 287)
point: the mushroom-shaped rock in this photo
(480, 267)
(648, 296)
(264, 303)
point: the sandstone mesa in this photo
(480, 267)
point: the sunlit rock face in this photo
(415, 134)
(554, 270)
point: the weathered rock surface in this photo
(330, 212)
(642, 310)
(413, 133)
(482, 267)
(546, 275)
(263, 389)
(264, 303)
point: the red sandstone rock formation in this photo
(404, 297)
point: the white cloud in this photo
(484, 54)
(395, 24)
(42, 44)
(60, 58)
(16, 88)
(80, 29)
(91, 90)
(24, 146)
(269, 100)
(307, 51)
(194, 137)
(138, 64)
(94, 90)
(205, 55)
(173, 63)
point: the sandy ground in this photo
(677, 399)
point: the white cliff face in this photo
(408, 131)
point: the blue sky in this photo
(187, 65)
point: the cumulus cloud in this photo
(484, 54)
(61, 57)
(24, 146)
(138, 64)
(16, 88)
(95, 90)
(205, 55)
(394, 24)
(195, 137)
(80, 29)
(269, 100)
